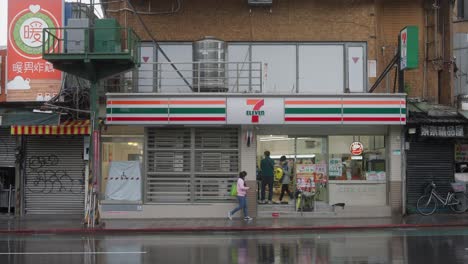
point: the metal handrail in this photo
(202, 76)
(55, 38)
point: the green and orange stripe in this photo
(352, 111)
(167, 110)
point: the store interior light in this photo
(275, 138)
(306, 156)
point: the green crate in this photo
(107, 36)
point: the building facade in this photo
(295, 77)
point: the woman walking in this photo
(241, 193)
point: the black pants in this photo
(267, 181)
(285, 189)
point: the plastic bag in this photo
(234, 189)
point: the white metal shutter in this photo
(168, 165)
(7, 148)
(216, 163)
(191, 165)
(54, 175)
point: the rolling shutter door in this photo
(191, 164)
(428, 162)
(54, 175)
(7, 148)
(216, 163)
(168, 165)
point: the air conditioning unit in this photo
(260, 2)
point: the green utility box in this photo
(107, 36)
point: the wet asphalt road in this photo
(375, 246)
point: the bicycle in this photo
(427, 203)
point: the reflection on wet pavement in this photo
(386, 246)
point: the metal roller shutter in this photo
(216, 163)
(427, 162)
(7, 148)
(54, 178)
(191, 165)
(168, 165)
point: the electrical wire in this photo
(155, 42)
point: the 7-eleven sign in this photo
(256, 111)
(409, 47)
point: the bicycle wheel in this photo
(426, 204)
(460, 206)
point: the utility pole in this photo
(94, 148)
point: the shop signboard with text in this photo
(255, 110)
(29, 77)
(409, 47)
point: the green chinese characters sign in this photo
(409, 47)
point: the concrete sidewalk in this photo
(56, 225)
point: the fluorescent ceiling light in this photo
(275, 139)
(293, 156)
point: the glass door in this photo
(311, 167)
(306, 157)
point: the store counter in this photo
(358, 192)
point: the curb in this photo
(221, 229)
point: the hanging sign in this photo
(356, 148)
(409, 47)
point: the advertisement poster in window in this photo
(335, 167)
(308, 175)
(29, 77)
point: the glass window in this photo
(239, 69)
(321, 69)
(122, 159)
(169, 80)
(368, 165)
(279, 67)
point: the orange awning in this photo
(78, 127)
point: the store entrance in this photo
(7, 190)
(306, 159)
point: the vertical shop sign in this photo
(409, 47)
(30, 78)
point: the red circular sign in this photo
(356, 148)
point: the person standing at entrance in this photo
(286, 179)
(241, 193)
(267, 165)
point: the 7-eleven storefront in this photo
(177, 156)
